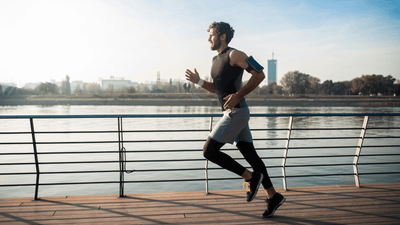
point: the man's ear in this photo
(222, 37)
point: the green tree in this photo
(143, 88)
(110, 88)
(326, 87)
(129, 90)
(47, 88)
(78, 90)
(271, 88)
(295, 82)
(268, 89)
(179, 87)
(373, 84)
(278, 90)
(341, 88)
(93, 88)
(314, 86)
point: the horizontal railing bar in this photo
(60, 132)
(192, 169)
(171, 150)
(97, 142)
(305, 138)
(183, 160)
(111, 171)
(191, 180)
(392, 154)
(195, 150)
(383, 128)
(381, 146)
(55, 163)
(202, 140)
(149, 151)
(322, 156)
(380, 137)
(54, 143)
(61, 172)
(107, 116)
(343, 164)
(192, 115)
(344, 174)
(344, 146)
(156, 140)
(85, 132)
(202, 130)
(198, 130)
(58, 153)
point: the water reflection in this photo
(132, 124)
(271, 124)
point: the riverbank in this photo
(190, 99)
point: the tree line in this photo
(297, 83)
(292, 83)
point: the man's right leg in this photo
(211, 151)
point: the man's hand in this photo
(231, 101)
(192, 77)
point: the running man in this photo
(226, 72)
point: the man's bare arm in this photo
(194, 77)
(238, 58)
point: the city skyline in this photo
(43, 40)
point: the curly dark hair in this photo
(223, 28)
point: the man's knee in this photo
(210, 149)
(243, 145)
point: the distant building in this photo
(30, 85)
(116, 83)
(58, 83)
(75, 84)
(272, 70)
(7, 88)
(8, 84)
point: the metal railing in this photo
(122, 141)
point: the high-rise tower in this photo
(272, 70)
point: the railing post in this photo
(358, 151)
(286, 153)
(36, 159)
(206, 166)
(121, 158)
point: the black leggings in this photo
(211, 151)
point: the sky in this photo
(88, 40)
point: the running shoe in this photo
(273, 204)
(252, 186)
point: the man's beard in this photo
(216, 44)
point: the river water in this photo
(270, 149)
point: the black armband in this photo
(253, 65)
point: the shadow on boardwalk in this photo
(371, 204)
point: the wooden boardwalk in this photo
(371, 204)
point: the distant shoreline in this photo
(202, 100)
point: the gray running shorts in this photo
(233, 126)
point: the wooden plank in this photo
(371, 204)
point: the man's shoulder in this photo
(237, 54)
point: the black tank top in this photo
(227, 79)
